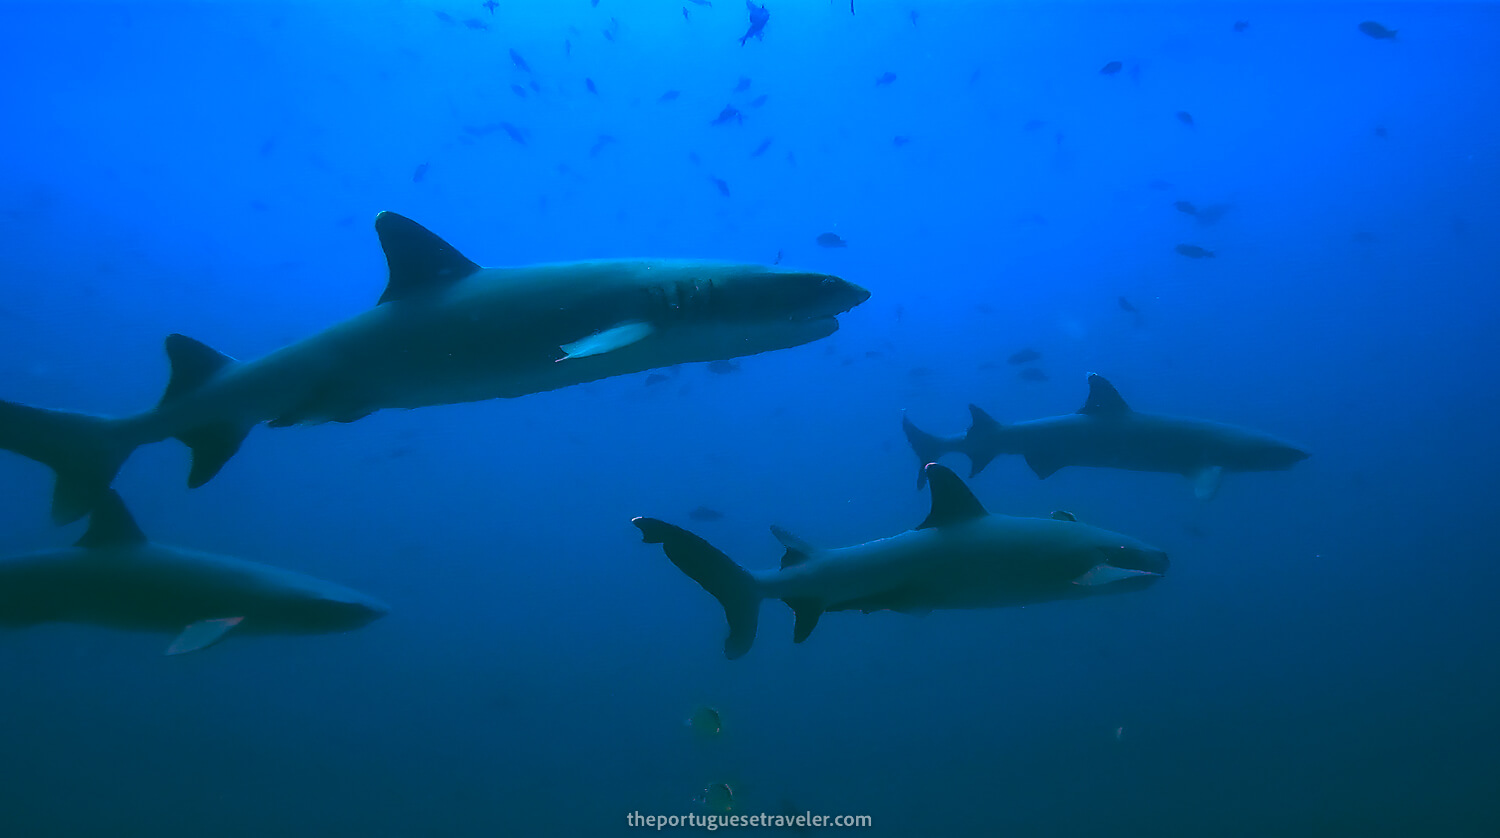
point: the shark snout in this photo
(1144, 559)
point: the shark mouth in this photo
(1139, 567)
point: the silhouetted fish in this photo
(831, 240)
(720, 185)
(900, 141)
(589, 83)
(656, 378)
(759, 100)
(669, 96)
(778, 258)
(761, 149)
(1193, 251)
(1111, 68)
(742, 85)
(421, 172)
(1185, 118)
(1024, 356)
(885, 78)
(444, 17)
(1185, 207)
(490, 4)
(1377, 31)
(518, 90)
(516, 59)
(1380, 131)
(1241, 25)
(758, 19)
(515, 133)
(476, 23)
(1032, 374)
(1126, 305)
(729, 113)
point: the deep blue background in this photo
(1321, 660)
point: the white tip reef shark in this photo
(114, 577)
(445, 331)
(960, 557)
(1106, 433)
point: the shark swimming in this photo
(444, 331)
(114, 577)
(960, 557)
(1106, 433)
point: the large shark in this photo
(445, 331)
(1106, 433)
(960, 557)
(114, 577)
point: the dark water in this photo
(1321, 661)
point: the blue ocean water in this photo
(1320, 661)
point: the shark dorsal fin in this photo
(419, 261)
(981, 422)
(193, 363)
(111, 525)
(952, 502)
(1104, 399)
(1064, 515)
(797, 550)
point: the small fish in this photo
(761, 149)
(831, 240)
(1033, 374)
(444, 17)
(1241, 25)
(758, 19)
(708, 513)
(568, 47)
(589, 83)
(778, 258)
(1034, 124)
(1212, 213)
(476, 23)
(912, 16)
(599, 145)
(685, 15)
(1128, 306)
(1193, 251)
(1119, 734)
(516, 59)
(1185, 118)
(742, 85)
(722, 367)
(1112, 67)
(885, 79)
(421, 172)
(656, 378)
(515, 133)
(759, 100)
(1380, 131)
(669, 96)
(900, 141)
(718, 797)
(518, 90)
(1024, 356)
(1185, 207)
(730, 112)
(1377, 31)
(490, 4)
(720, 185)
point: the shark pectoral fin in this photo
(202, 634)
(1043, 466)
(807, 612)
(1206, 482)
(615, 337)
(1103, 574)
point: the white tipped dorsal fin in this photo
(615, 337)
(797, 549)
(1104, 399)
(952, 502)
(111, 525)
(202, 634)
(1103, 574)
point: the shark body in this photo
(1106, 433)
(115, 577)
(445, 331)
(960, 557)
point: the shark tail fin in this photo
(193, 364)
(928, 447)
(84, 451)
(731, 585)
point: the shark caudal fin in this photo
(84, 451)
(731, 585)
(928, 447)
(979, 443)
